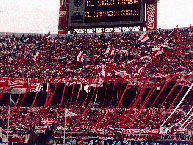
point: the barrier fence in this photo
(93, 141)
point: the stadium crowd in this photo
(94, 123)
(86, 56)
(82, 56)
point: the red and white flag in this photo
(123, 52)
(47, 121)
(18, 87)
(157, 51)
(37, 56)
(140, 70)
(104, 72)
(122, 74)
(40, 129)
(144, 37)
(80, 57)
(132, 61)
(34, 87)
(4, 85)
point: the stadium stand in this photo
(86, 55)
(163, 54)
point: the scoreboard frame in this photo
(76, 16)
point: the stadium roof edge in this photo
(20, 34)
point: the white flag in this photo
(104, 72)
(68, 113)
(86, 88)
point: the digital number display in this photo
(111, 10)
(106, 13)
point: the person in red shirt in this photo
(80, 142)
(21, 140)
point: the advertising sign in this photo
(151, 16)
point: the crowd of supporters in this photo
(94, 56)
(97, 122)
(46, 56)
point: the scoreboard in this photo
(105, 13)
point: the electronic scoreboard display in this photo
(107, 13)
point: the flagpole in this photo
(64, 126)
(187, 92)
(8, 117)
(95, 100)
(117, 95)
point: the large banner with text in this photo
(151, 16)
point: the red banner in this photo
(151, 16)
(63, 20)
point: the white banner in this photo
(47, 121)
(18, 90)
(137, 131)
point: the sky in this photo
(41, 16)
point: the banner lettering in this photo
(151, 16)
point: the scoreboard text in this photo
(106, 12)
